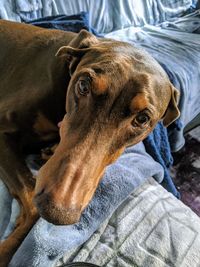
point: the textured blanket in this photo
(150, 229)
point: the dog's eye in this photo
(142, 119)
(83, 87)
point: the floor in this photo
(186, 171)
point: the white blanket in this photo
(150, 229)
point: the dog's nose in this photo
(56, 212)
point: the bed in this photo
(132, 220)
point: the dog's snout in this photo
(66, 184)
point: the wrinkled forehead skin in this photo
(123, 82)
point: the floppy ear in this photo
(79, 46)
(172, 112)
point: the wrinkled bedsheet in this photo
(105, 16)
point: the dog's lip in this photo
(40, 200)
(60, 217)
(37, 199)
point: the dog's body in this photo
(116, 94)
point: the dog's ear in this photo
(172, 112)
(77, 48)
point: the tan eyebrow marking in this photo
(139, 102)
(101, 85)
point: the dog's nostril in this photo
(41, 192)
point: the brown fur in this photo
(38, 90)
(139, 103)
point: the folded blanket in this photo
(157, 145)
(73, 23)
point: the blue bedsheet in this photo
(105, 16)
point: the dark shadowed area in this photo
(186, 170)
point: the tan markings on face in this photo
(44, 127)
(139, 103)
(100, 85)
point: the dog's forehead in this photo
(121, 53)
(126, 75)
(121, 61)
(124, 70)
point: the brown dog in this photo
(108, 95)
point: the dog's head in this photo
(116, 95)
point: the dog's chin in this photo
(57, 215)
